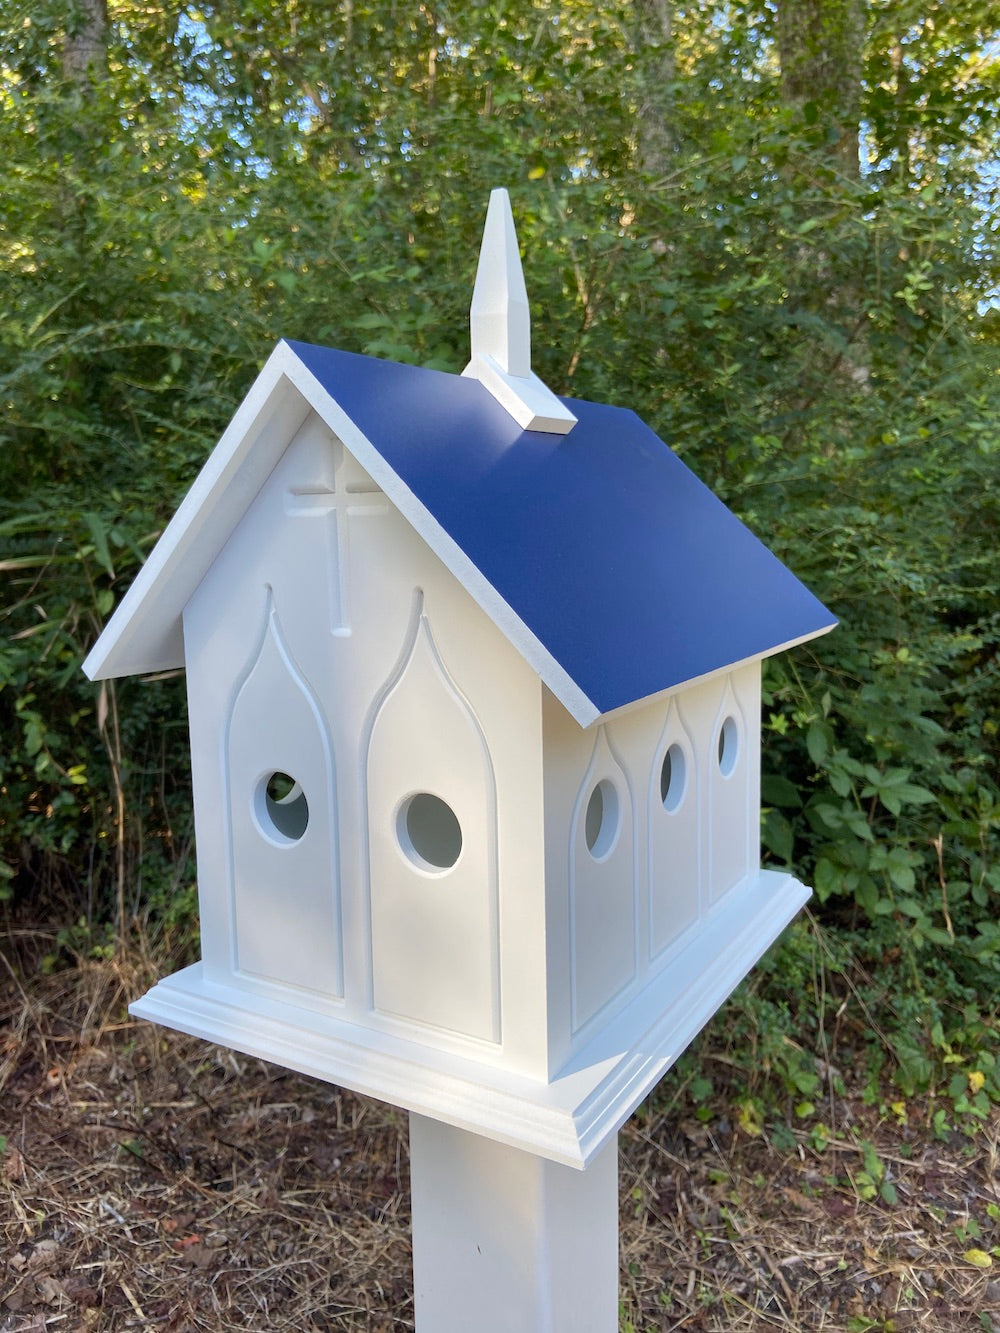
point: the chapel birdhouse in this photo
(474, 688)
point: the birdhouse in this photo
(474, 689)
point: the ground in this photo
(150, 1181)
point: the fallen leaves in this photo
(978, 1258)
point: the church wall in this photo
(325, 594)
(673, 829)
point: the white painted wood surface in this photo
(507, 1242)
(602, 883)
(412, 691)
(674, 803)
(432, 821)
(285, 863)
(567, 1118)
(500, 324)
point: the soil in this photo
(150, 1181)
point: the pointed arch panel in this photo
(673, 805)
(729, 770)
(432, 850)
(281, 786)
(602, 885)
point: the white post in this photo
(506, 1242)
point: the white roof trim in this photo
(146, 631)
(661, 695)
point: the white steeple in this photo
(501, 331)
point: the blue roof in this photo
(626, 568)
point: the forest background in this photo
(770, 228)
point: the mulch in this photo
(152, 1182)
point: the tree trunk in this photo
(85, 50)
(820, 45)
(654, 140)
(821, 48)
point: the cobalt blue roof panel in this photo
(624, 565)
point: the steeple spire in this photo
(501, 330)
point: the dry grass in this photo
(721, 1231)
(153, 1182)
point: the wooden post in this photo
(507, 1242)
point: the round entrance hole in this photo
(673, 779)
(600, 825)
(281, 807)
(729, 745)
(429, 832)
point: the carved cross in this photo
(337, 505)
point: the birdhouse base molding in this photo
(568, 1119)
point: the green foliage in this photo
(821, 345)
